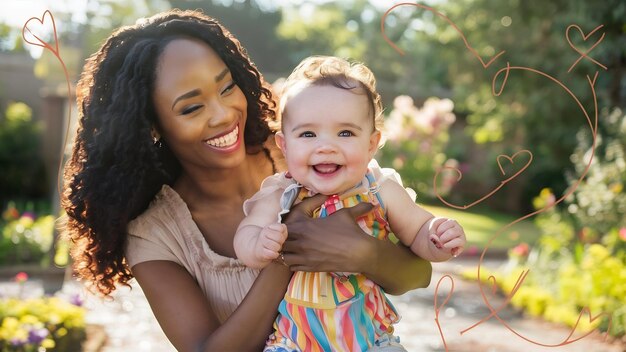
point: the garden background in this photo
(441, 114)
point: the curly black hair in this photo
(115, 169)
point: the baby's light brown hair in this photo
(340, 73)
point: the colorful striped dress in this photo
(336, 311)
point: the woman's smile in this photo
(225, 140)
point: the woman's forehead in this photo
(184, 61)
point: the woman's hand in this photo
(333, 243)
(337, 243)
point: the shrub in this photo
(415, 140)
(25, 238)
(23, 172)
(42, 324)
(580, 260)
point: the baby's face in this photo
(328, 138)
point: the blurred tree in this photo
(22, 168)
(253, 27)
(533, 112)
(10, 39)
(351, 29)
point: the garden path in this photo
(130, 325)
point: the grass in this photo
(481, 225)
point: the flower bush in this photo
(580, 260)
(415, 140)
(42, 324)
(25, 238)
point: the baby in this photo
(330, 130)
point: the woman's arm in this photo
(337, 243)
(188, 320)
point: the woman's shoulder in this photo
(165, 212)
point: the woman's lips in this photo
(225, 140)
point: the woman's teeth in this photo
(225, 140)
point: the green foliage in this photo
(48, 324)
(24, 237)
(560, 287)
(22, 168)
(482, 224)
(533, 112)
(253, 27)
(600, 201)
(415, 143)
(580, 261)
(11, 39)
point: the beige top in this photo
(166, 231)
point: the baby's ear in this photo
(374, 142)
(279, 137)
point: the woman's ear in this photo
(279, 137)
(374, 143)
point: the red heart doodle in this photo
(585, 37)
(40, 28)
(510, 159)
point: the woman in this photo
(173, 138)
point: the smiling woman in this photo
(173, 137)
(197, 122)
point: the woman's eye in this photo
(229, 88)
(189, 109)
(307, 134)
(346, 134)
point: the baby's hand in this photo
(447, 235)
(270, 241)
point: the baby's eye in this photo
(189, 109)
(346, 133)
(307, 134)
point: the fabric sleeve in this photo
(145, 245)
(275, 183)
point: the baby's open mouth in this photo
(326, 168)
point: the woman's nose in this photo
(219, 114)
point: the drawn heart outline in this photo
(511, 160)
(42, 43)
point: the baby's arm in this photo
(433, 239)
(259, 237)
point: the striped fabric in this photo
(337, 311)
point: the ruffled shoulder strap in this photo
(383, 174)
(278, 182)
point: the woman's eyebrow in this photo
(221, 75)
(189, 94)
(196, 92)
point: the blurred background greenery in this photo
(440, 111)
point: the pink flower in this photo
(622, 233)
(29, 215)
(21, 277)
(472, 250)
(521, 250)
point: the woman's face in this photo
(201, 111)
